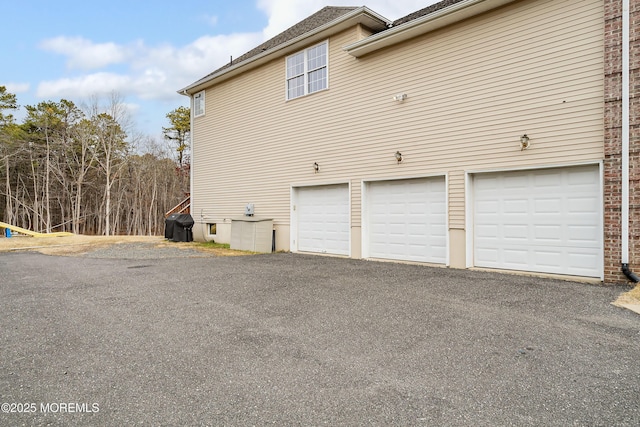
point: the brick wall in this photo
(613, 143)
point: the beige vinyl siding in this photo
(456, 199)
(356, 202)
(533, 67)
(362, 32)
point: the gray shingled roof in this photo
(426, 11)
(318, 19)
(322, 17)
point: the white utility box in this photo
(251, 234)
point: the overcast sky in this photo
(145, 51)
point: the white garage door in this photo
(323, 219)
(407, 220)
(544, 221)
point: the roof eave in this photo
(362, 15)
(438, 19)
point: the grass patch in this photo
(219, 249)
(214, 245)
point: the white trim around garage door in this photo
(386, 204)
(567, 239)
(325, 227)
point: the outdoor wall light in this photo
(316, 167)
(524, 142)
(400, 97)
(398, 156)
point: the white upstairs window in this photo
(198, 104)
(307, 71)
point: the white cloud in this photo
(85, 54)
(155, 72)
(84, 86)
(285, 13)
(151, 75)
(16, 87)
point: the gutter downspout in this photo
(625, 144)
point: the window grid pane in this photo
(198, 104)
(295, 65)
(317, 80)
(307, 71)
(317, 57)
(295, 87)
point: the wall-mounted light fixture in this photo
(400, 97)
(524, 142)
(316, 167)
(398, 156)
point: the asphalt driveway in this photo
(287, 339)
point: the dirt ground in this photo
(79, 244)
(630, 300)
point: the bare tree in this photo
(8, 102)
(85, 170)
(111, 146)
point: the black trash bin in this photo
(183, 228)
(169, 225)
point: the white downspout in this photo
(625, 143)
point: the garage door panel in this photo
(583, 178)
(487, 206)
(548, 206)
(519, 182)
(487, 231)
(438, 231)
(582, 261)
(548, 234)
(323, 219)
(417, 208)
(515, 206)
(548, 178)
(582, 205)
(407, 220)
(516, 232)
(547, 258)
(552, 224)
(516, 256)
(440, 247)
(486, 256)
(583, 234)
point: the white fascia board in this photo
(438, 19)
(363, 15)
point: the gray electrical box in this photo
(252, 234)
(248, 209)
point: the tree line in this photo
(84, 169)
